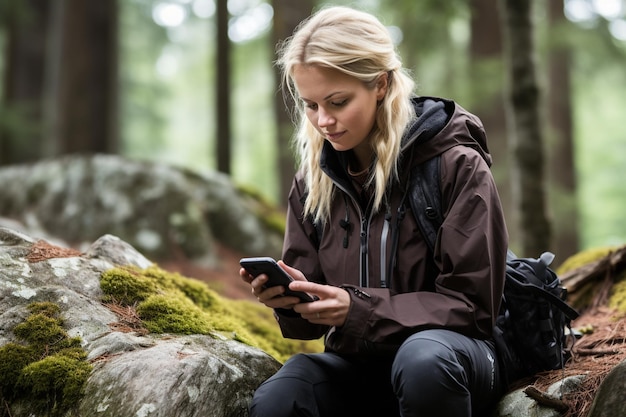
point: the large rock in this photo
(162, 211)
(610, 398)
(133, 374)
(518, 404)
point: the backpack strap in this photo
(425, 199)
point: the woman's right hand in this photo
(272, 296)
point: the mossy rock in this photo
(586, 293)
(617, 298)
(168, 302)
(271, 215)
(49, 369)
(583, 258)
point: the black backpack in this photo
(530, 329)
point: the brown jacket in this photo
(459, 288)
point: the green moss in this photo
(55, 382)
(49, 370)
(195, 290)
(617, 298)
(166, 314)
(13, 358)
(125, 285)
(40, 330)
(261, 322)
(587, 292)
(583, 258)
(270, 214)
(275, 221)
(182, 305)
(46, 308)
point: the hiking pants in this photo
(435, 373)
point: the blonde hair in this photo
(357, 44)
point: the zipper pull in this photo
(363, 236)
(360, 293)
(357, 291)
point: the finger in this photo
(293, 272)
(270, 293)
(258, 283)
(282, 302)
(328, 318)
(322, 291)
(245, 275)
(313, 317)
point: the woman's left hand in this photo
(332, 307)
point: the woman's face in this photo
(341, 107)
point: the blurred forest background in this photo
(191, 83)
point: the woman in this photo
(407, 331)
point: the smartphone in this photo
(276, 275)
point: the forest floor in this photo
(595, 354)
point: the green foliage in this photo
(181, 305)
(600, 140)
(49, 370)
(145, 95)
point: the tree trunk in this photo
(561, 152)
(21, 139)
(222, 86)
(525, 132)
(488, 96)
(287, 15)
(83, 77)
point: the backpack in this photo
(529, 333)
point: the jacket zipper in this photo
(365, 224)
(383, 250)
(363, 254)
(363, 237)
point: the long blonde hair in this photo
(357, 44)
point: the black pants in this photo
(434, 373)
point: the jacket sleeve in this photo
(470, 253)
(300, 252)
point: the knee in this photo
(278, 397)
(285, 392)
(269, 401)
(425, 361)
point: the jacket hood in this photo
(440, 125)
